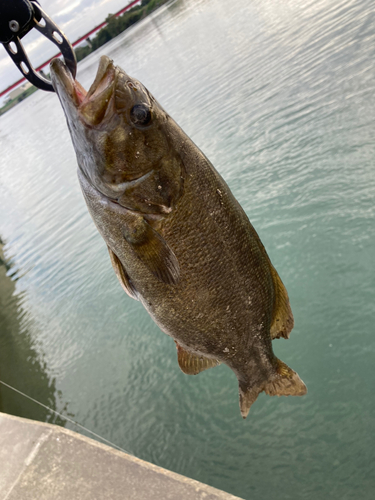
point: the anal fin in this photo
(192, 364)
(122, 275)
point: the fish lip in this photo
(63, 81)
(105, 73)
(65, 85)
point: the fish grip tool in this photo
(17, 18)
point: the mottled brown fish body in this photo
(178, 239)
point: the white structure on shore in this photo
(18, 91)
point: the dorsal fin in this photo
(282, 319)
(192, 364)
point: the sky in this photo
(74, 17)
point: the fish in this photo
(179, 241)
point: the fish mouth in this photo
(92, 105)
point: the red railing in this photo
(97, 28)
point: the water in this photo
(280, 96)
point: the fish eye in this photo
(140, 114)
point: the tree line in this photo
(116, 25)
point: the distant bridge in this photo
(84, 37)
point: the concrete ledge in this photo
(47, 462)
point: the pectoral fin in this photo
(282, 320)
(192, 364)
(152, 250)
(122, 275)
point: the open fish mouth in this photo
(92, 105)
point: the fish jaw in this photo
(113, 92)
(66, 87)
(90, 106)
(90, 116)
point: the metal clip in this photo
(44, 24)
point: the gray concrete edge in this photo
(57, 430)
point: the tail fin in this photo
(285, 382)
(247, 398)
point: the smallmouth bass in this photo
(178, 239)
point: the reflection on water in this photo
(21, 362)
(281, 98)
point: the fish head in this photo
(117, 127)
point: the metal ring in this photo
(14, 26)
